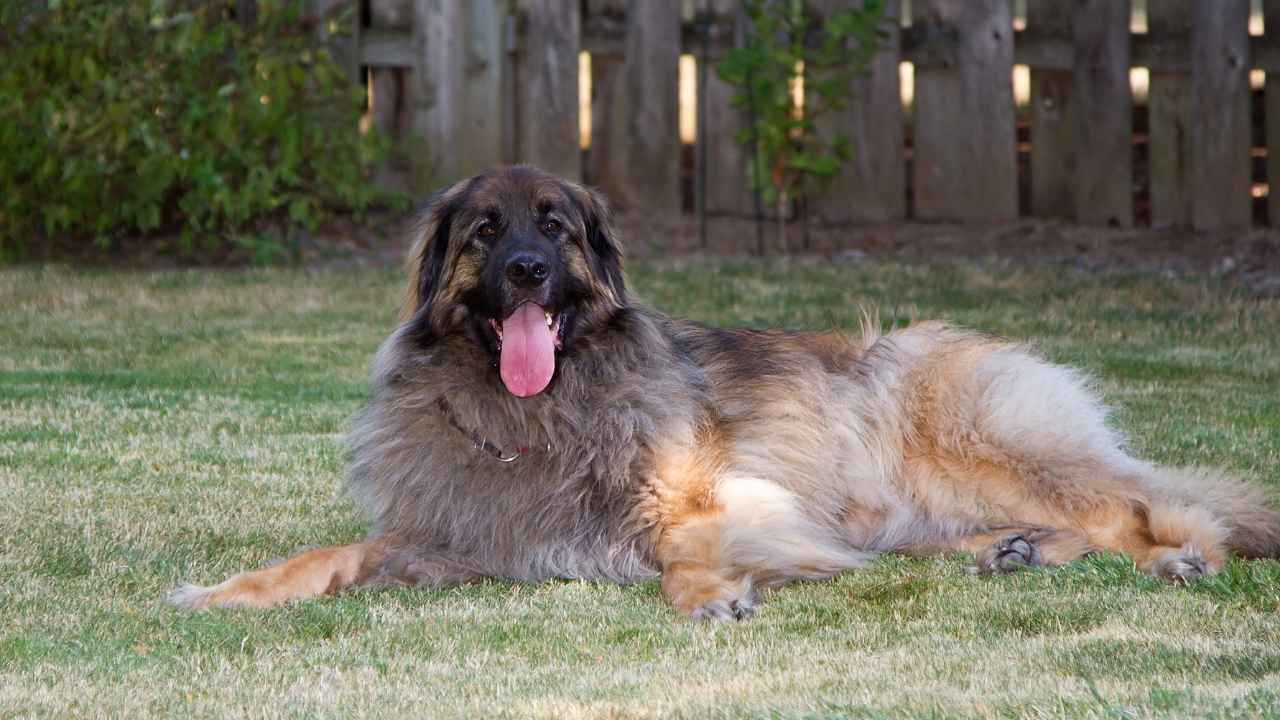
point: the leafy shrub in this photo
(120, 117)
(788, 45)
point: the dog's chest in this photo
(546, 513)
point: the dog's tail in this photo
(1247, 511)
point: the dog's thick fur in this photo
(722, 460)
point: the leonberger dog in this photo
(530, 420)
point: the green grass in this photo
(163, 427)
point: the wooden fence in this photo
(485, 82)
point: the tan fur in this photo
(423, 234)
(727, 460)
(312, 573)
(1057, 546)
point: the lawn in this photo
(179, 426)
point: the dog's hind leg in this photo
(1011, 547)
(1168, 540)
(1005, 549)
(1003, 437)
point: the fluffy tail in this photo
(1246, 510)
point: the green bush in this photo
(788, 44)
(128, 117)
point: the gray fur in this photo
(572, 512)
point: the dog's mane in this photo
(624, 391)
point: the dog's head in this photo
(520, 262)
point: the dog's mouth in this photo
(527, 343)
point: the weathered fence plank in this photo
(1052, 127)
(481, 142)
(965, 152)
(384, 93)
(390, 14)
(1220, 115)
(1103, 114)
(546, 88)
(1169, 120)
(385, 79)
(603, 19)
(386, 84)
(387, 49)
(435, 89)
(635, 134)
(728, 188)
(455, 88)
(1271, 23)
(871, 185)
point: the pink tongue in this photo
(528, 351)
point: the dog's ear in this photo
(430, 249)
(602, 240)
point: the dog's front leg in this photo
(377, 561)
(699, 577)
(309, 574)
(695, 578)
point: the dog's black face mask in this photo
(524, 292)
(521, 262)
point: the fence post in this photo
(1271, 22)
(480, 146)
(434, 91)
(872, 184)
(386, 81)
(1169, 120)
(1103, 113)
(456, 87)
(604, 19)
(965, 140)
(1220, 142)
(387, 85)
(384, 91)
(635, 146)
(1052, 126)
(546, 88)
(727, 183)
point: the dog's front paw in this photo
(704, 594)
(723, 609)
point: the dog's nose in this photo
(528, 270)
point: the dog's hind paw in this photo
(1181, 566)
(1010, 554)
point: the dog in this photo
(529, 420)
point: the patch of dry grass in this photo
(163, 427)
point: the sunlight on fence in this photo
(688, 99)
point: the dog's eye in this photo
(487, 230)
(551, 227)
